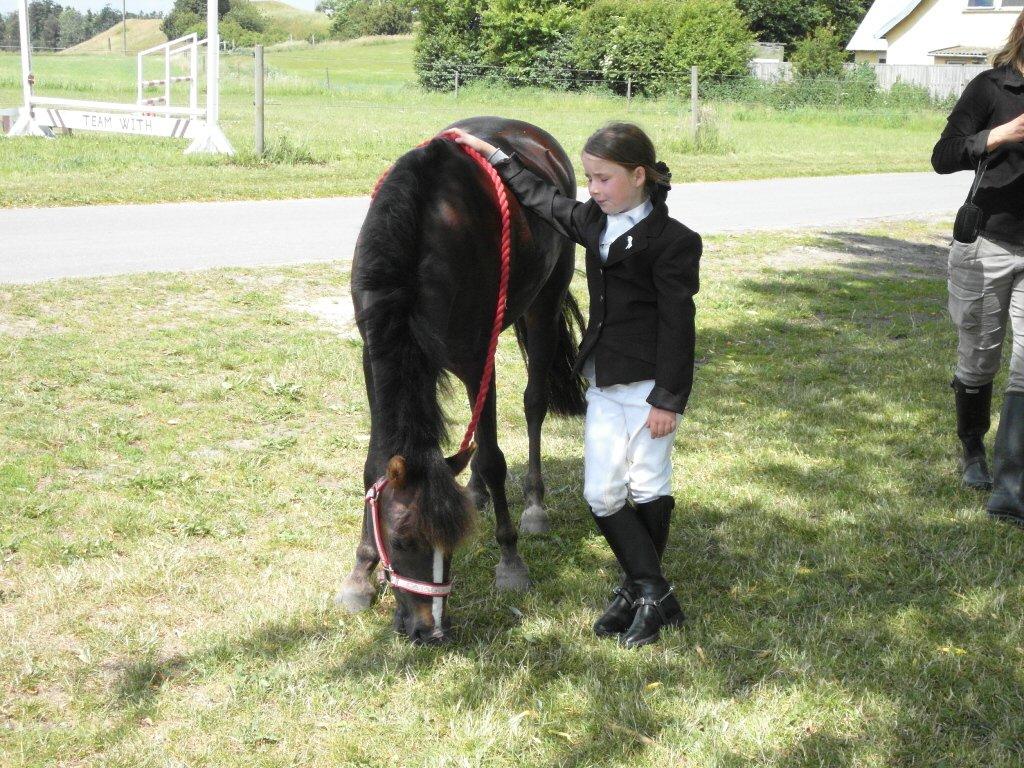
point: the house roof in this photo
(864, 39)
(962, 51)
(906, 10)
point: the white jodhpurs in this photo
(620, 459)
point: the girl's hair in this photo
(1012, 53)
(627, 145)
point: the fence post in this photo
(456, 83)
(259, 100)
(629, 90)
(694, 103)
(327, 80)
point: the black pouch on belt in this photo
(969, 216)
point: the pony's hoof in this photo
(512, 577)
(355, 596)
(534, 520)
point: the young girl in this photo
(642, 273)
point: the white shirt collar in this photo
(633, 215)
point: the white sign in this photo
(141, 124)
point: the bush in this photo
(448, 39)
(820, 54)
(528, 41)
(357, 18)
(571, 44)
(657, 41)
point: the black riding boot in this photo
(634, 548)
(973, 405)
(657, 516)
(619, 614)
(1008, 461)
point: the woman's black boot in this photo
(1008, 461)
(973, 409)
(634, 548)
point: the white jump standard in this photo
(148, 116)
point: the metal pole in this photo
(212, 63)
(629, 90)
(259, 100)
(694, 103)
(456, 83)
(26, 56)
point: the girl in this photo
(637, 353)
(985, 132)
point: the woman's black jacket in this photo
(993, 98)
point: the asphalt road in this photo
(51, 243)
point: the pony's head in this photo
(423, 514)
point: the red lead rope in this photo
(506, 253)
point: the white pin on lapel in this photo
(629, 242)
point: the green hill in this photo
(293, 21)
(142, 34)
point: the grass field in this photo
(294, 21)
(180, 497)
(338, 114)
(142, 34)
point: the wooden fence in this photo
(941, 80)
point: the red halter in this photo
(424, 588)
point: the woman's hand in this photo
(661, 422)
(471, 141)
(1006, 133)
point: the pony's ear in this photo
(396, 472)
(460, 460)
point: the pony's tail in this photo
(566, 390)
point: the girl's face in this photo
(614, 187)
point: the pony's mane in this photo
(407, 355)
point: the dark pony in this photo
(424, 285)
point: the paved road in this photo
(49, 243)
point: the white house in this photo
(933, 31)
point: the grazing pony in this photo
(425, 278)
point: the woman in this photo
(986, 277)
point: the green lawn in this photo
(180, 496)
(338, 114)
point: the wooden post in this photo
(259, 100)
(629, 90)
(694, 103)
(327, 73)
(456, 83)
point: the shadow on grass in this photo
(833, 571)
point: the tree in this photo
(72, 28)
(190, 16)
(787, 21)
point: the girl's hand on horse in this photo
(661, 422)
(471, 141)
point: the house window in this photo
(980, 3)
(1013, 4)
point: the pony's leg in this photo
(358, 591)
(489, 463)
(542, 342)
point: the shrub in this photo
(448, 39)
(820, 54)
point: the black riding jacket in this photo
(993, 98)
(641, 299)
